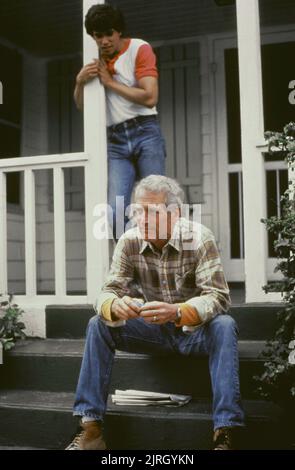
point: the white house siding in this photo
(34, 118)
(16, 253)
(75, 240)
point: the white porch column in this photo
(252, 128)
(96, 168)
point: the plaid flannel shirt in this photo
(188, 269)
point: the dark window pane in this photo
(276, 185)
(283, 175)
(233, 106)
(277, 72)
(271, 185)
(11, 79)
(10, 148)
(235, 229)
(13, 188)
(65, 122)
(9, 141)
(272, 207)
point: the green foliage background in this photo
(277, 381)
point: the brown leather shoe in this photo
(88, 437)
(223, 439)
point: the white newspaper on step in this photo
(144, 398)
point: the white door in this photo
(180, 115)
(278, 111)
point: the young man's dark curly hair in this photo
(103, 18)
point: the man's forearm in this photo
(136, 95)
(78, 95)
(106, 310)
(189, 316)
(208, 305)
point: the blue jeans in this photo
(217, 339)
(136, 149)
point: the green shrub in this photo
(11, 329)
(277, 381)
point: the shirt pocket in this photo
(186, 281)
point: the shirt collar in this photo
(144, 245)
(174, 241)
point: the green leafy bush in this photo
(11, 329)
(277, 381)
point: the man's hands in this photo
(152, 312)
(158, 312)
(145, 93)
(125, 308)
(96, 69)
(103, 73)
(87, 73)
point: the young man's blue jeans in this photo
(136, 149)
(217, 339)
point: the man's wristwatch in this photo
(178, 315)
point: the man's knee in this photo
(224, 323)
(95, 322)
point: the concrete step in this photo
(44, 420)
(54, 365)
(255, 321)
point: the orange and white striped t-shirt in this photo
(134, 61)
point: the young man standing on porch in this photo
(173, 264)
(127, 69)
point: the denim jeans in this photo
(136, 149)
(217, 339)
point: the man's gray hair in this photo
(161, 184)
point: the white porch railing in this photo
(236, 170)
(29, 166)
(94, 161)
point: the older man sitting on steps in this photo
(176, 267)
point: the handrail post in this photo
(95, 169)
